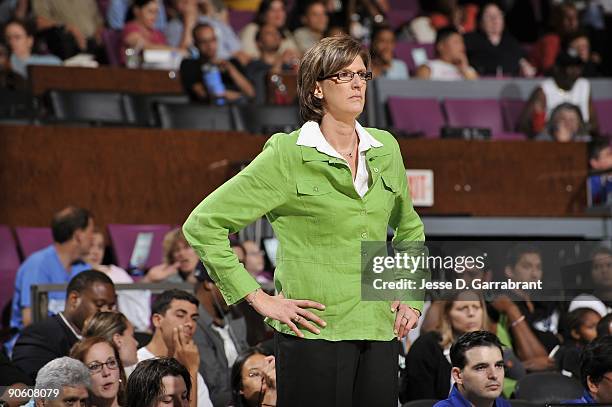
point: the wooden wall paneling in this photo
(103, 78)
(158, 176)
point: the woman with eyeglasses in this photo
(108, 379)
(115, 328)
(326, 188)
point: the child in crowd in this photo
(581, 329)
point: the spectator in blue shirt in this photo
(72, 230)
(478, 372)
(383, 50)
(118, 9)
(596, 372)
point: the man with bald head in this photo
(72, 230)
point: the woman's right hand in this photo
(289, 312)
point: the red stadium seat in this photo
(474, 113)
(416, 115)
(9, 263)
(123, 239)
(485, 113)
(238, 19)
(112, 44)
(32, 239)
(403, 51)
(603, 109)
(511, 111)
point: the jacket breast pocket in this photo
(390, 190)
(390, 183)
(319, 207)
(313, 188)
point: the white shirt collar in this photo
(79, 336)
(311, 136)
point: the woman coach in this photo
(325, 188)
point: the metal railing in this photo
(40, 294)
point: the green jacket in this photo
(320, 222)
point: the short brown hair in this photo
(326, 58)
(80, 349)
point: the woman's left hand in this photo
(405, 319)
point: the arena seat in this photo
(603, 109)
(269, 119)
(96, 108)
(145, 106)
(239, 18)
(112, 44)
(484, 113)
(31, 239)
(511, 112)
(403, 51)
(16, 105)
(9, 263)
(197, 117)
(524, 403)
(547, 387)
(123, 239)
(414, 116)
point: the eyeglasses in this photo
(347, 76)
(96, 367)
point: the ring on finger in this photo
(297, 319)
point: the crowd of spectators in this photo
(114, 348)
(192, 348)
(223, 63)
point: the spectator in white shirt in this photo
(452, 63)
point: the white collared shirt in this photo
(311, 136)
(78, 335)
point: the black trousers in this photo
(316, 372)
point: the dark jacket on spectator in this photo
(11, 374)
(487, 58)
(427, 372)
(567, 359)
(42, 342)
(213, 362)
